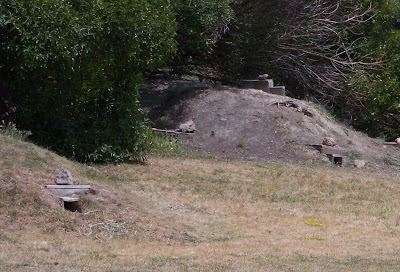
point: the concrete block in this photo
(264, 85)
(280, 90)
(258, 84)
(335, 159)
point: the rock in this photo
(97, 171)
(308, 112)
(64, 177)
(263, 77)
(397, 140)
(188, 127)
(359, 163)
(329, 141)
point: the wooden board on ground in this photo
(65, 190)
(166, 131)
(177, 134)
(392, 143)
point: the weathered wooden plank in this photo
(392, 143)
(177, 134)
(324, 149)
(166, 131)
(65, 190)
(69, 199)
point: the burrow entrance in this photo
(71, 204)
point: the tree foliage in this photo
(380, 88)
(73, 68)
(200, 25)
(342, 53)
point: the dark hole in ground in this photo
(337, 160)
(72, 206)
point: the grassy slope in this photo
(177, 214)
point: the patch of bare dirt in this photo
(249, 124)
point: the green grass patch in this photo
(354, 155)
(391, 162)
(10, 130)
(166, 145)
(315, 238)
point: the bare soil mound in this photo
(249, 124)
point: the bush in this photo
(73, 69)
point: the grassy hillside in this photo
(196, 214)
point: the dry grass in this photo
(177, 214)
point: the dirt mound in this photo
(250, 124)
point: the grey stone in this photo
(263, 77)
(188, 127)
(308, 112)
(329, 141)
(359, 163)
(64, 177)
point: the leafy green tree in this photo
(73, 68)
(200, 25)
(380, 88)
